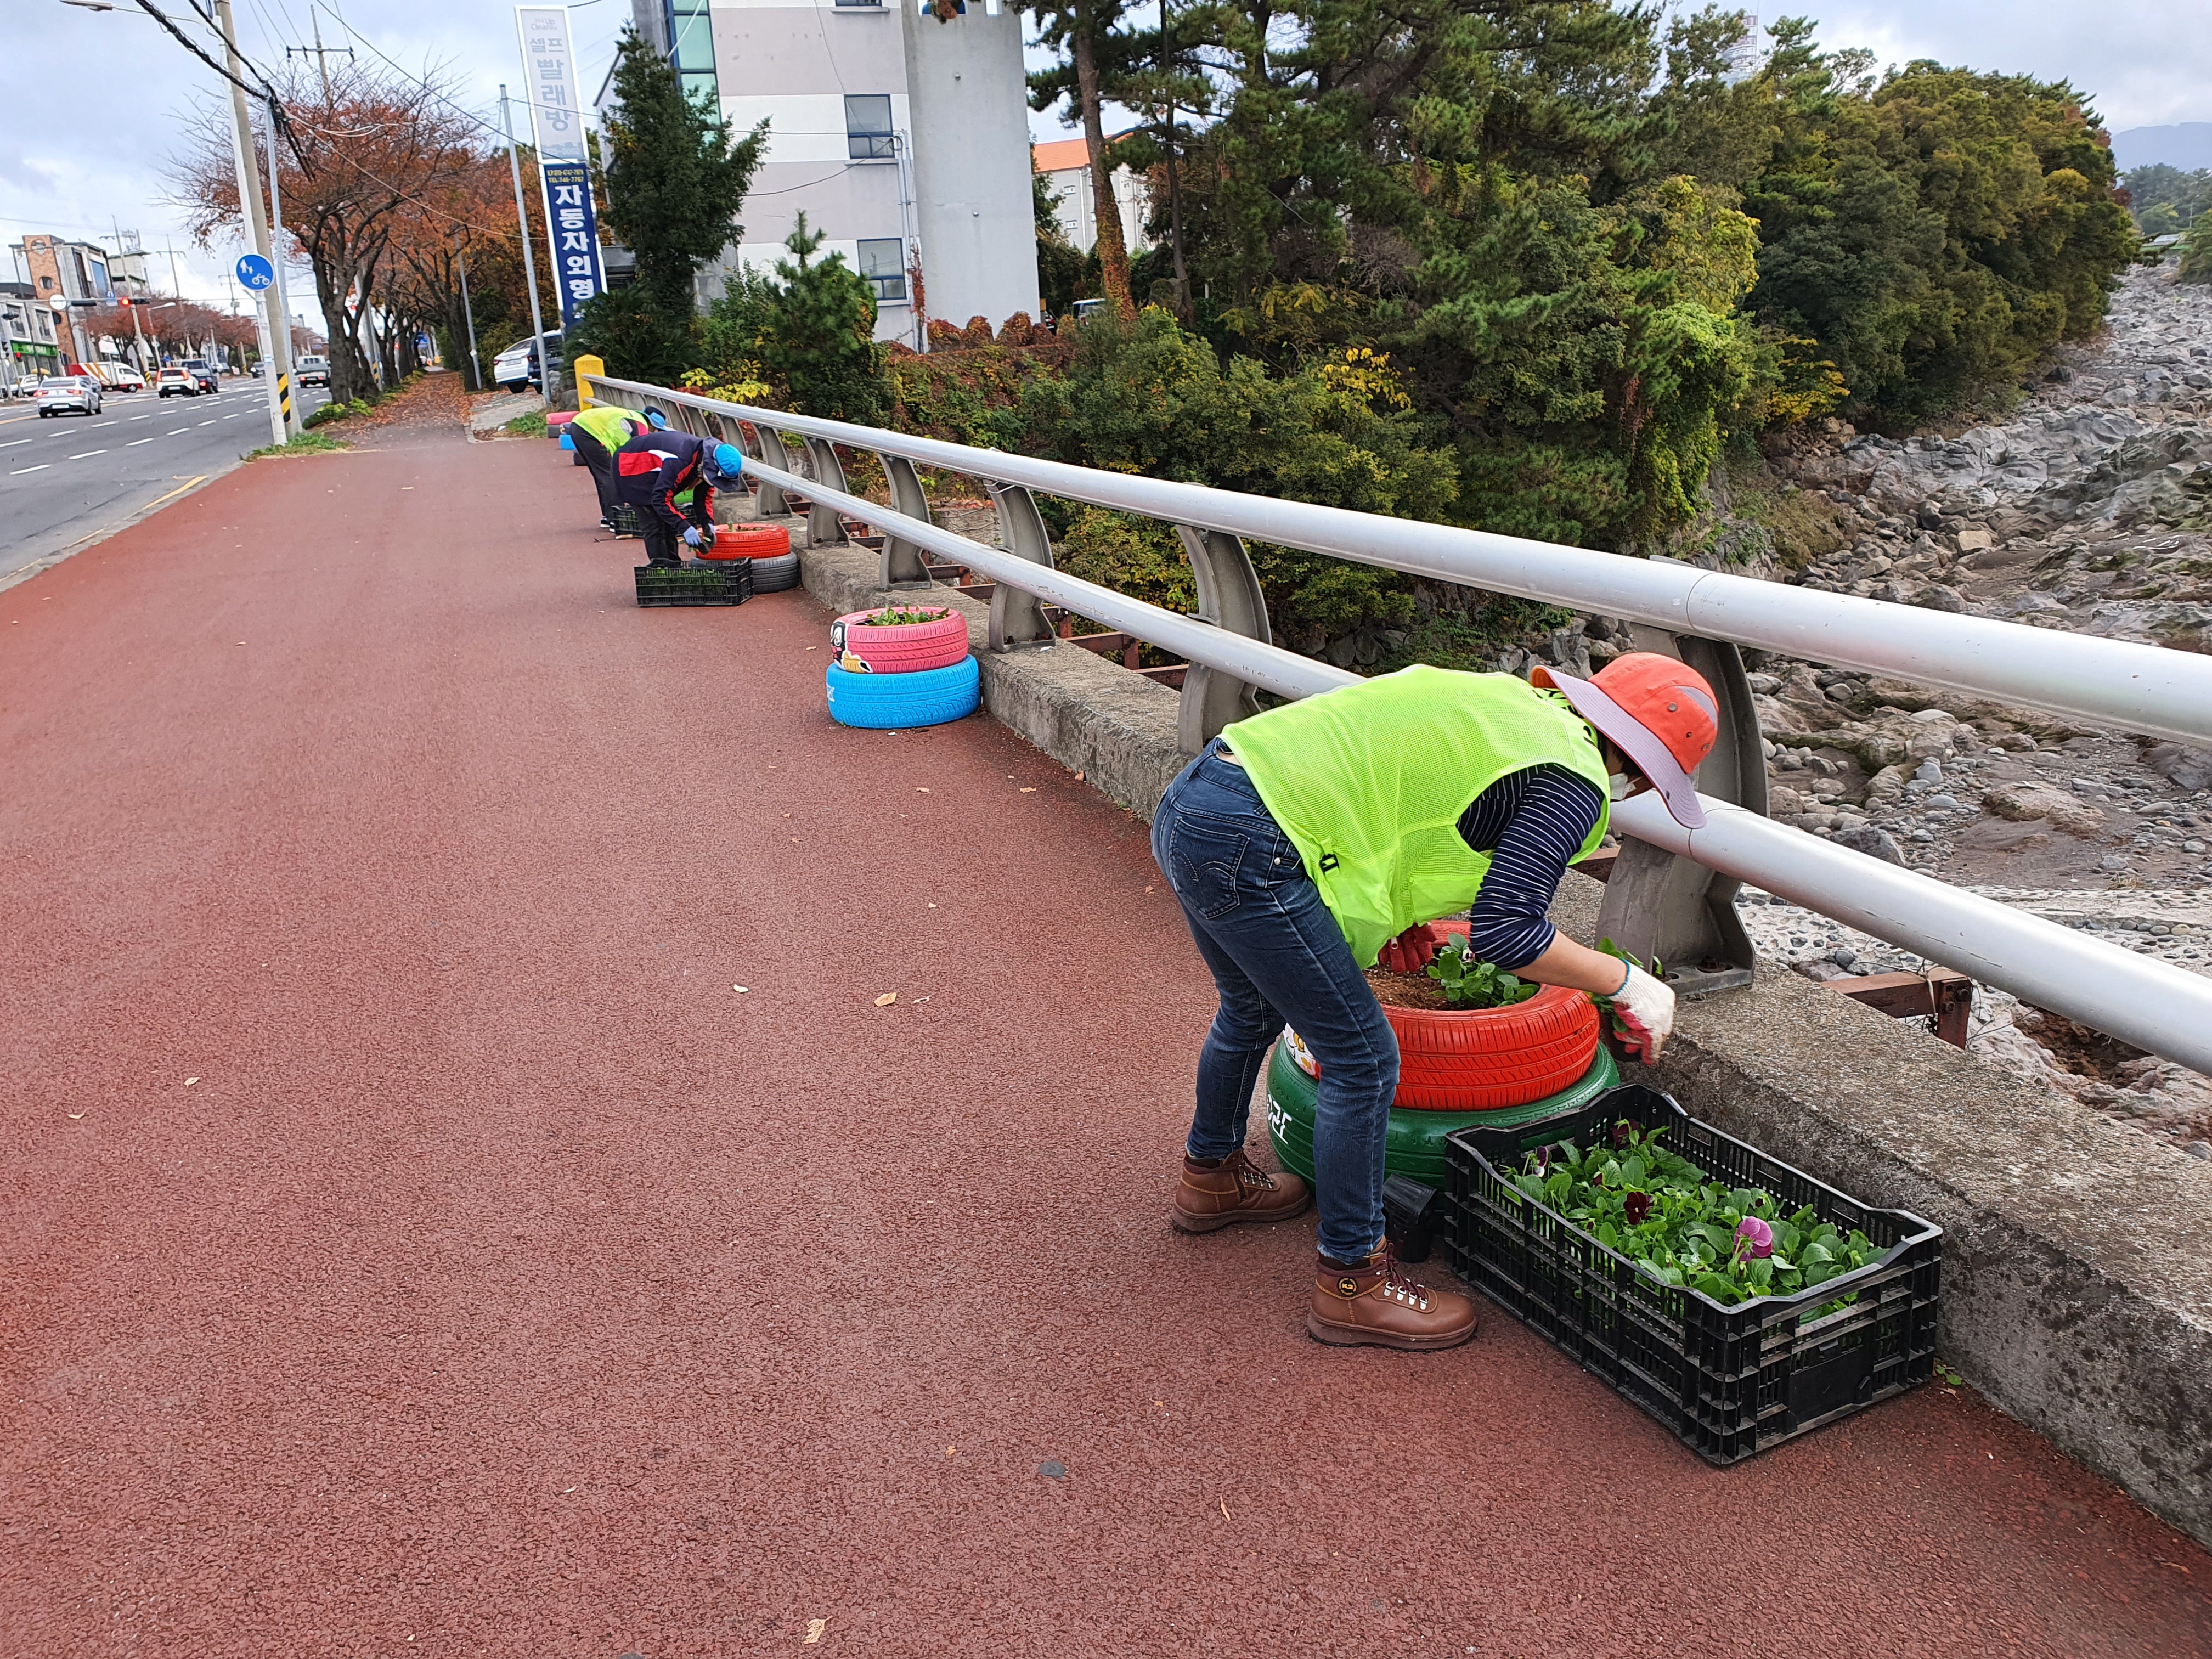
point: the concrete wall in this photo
(971, 150)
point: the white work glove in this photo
(1643, 1014)
(691, 536)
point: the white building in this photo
(900, 134)
(1065, 164)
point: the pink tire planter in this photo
(904, 647)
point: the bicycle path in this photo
(411, 1243)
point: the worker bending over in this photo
(598, 433)
(1311, 840)
(653, 468)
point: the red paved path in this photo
(508, 1283)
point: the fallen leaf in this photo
(74, 1115)
(814, 1629)
(1079, 777)
(1028, 790)
(1224, 1509)
(932, 907)
(948, 1451)
(1148, 890)
(813, 647)
(887, 998)
(741, 989)
(918, 790)
(189, 1081)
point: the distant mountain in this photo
(2188, 146)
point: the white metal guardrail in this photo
(2140, 1000)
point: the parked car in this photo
(176, 382)
(25, 387)
(314, 371)
(516, 367)
(121, 377)
(63, 394)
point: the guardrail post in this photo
(902, 564)
(767, 502)
(823, 527)
(1659, 905)
(1228, 597)
(1018, 618)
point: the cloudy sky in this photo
(83, 134)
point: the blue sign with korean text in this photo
(254, 272)
(574, 230)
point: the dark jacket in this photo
(653, 466)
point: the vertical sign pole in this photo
(529, 259)
(563, 164)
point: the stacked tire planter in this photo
(766, 549)
(903, 675)
(1457, 1068)
(1729, 1382)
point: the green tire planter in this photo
(1413, 1144)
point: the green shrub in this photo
(532, 425)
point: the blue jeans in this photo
(1277, 957)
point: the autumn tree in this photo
(375, 148)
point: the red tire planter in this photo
(749, 541)
(906, 649)
(1472, 1059)
(1479, 1060)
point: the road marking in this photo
(89, 453)
(178, 490)
(232, 418)
(207, 423)
(142, 418)
(40, 467)
(172, 434)
(103, 422)
(134, 443)
(12, 443)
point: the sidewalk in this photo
(413, 1243)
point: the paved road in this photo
(67, 476)
(411, 1243)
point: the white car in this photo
(516, 367)
(59, 394)
(174, 382)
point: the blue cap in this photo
(727, 460)
(656, 420)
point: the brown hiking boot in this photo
(1233, 1190)
(1377, 1304)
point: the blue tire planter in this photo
(885, 703)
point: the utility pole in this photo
(468, 315)
(280, 370)
(529, 259)
(271, 320)
(320, 54)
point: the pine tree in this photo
(818, 338)
(675, 179)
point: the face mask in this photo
(1617, 785)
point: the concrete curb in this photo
(2077, 1295)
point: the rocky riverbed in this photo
(2089, 509)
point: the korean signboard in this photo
(556, 120)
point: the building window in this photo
(883, 264)
(691, 50)
(860, 5)
(868, 126)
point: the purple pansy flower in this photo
(1754, 1238)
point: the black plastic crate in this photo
(729, 581)
(1730, 1382)
(626, 522)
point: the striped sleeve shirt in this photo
(1531, 823)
